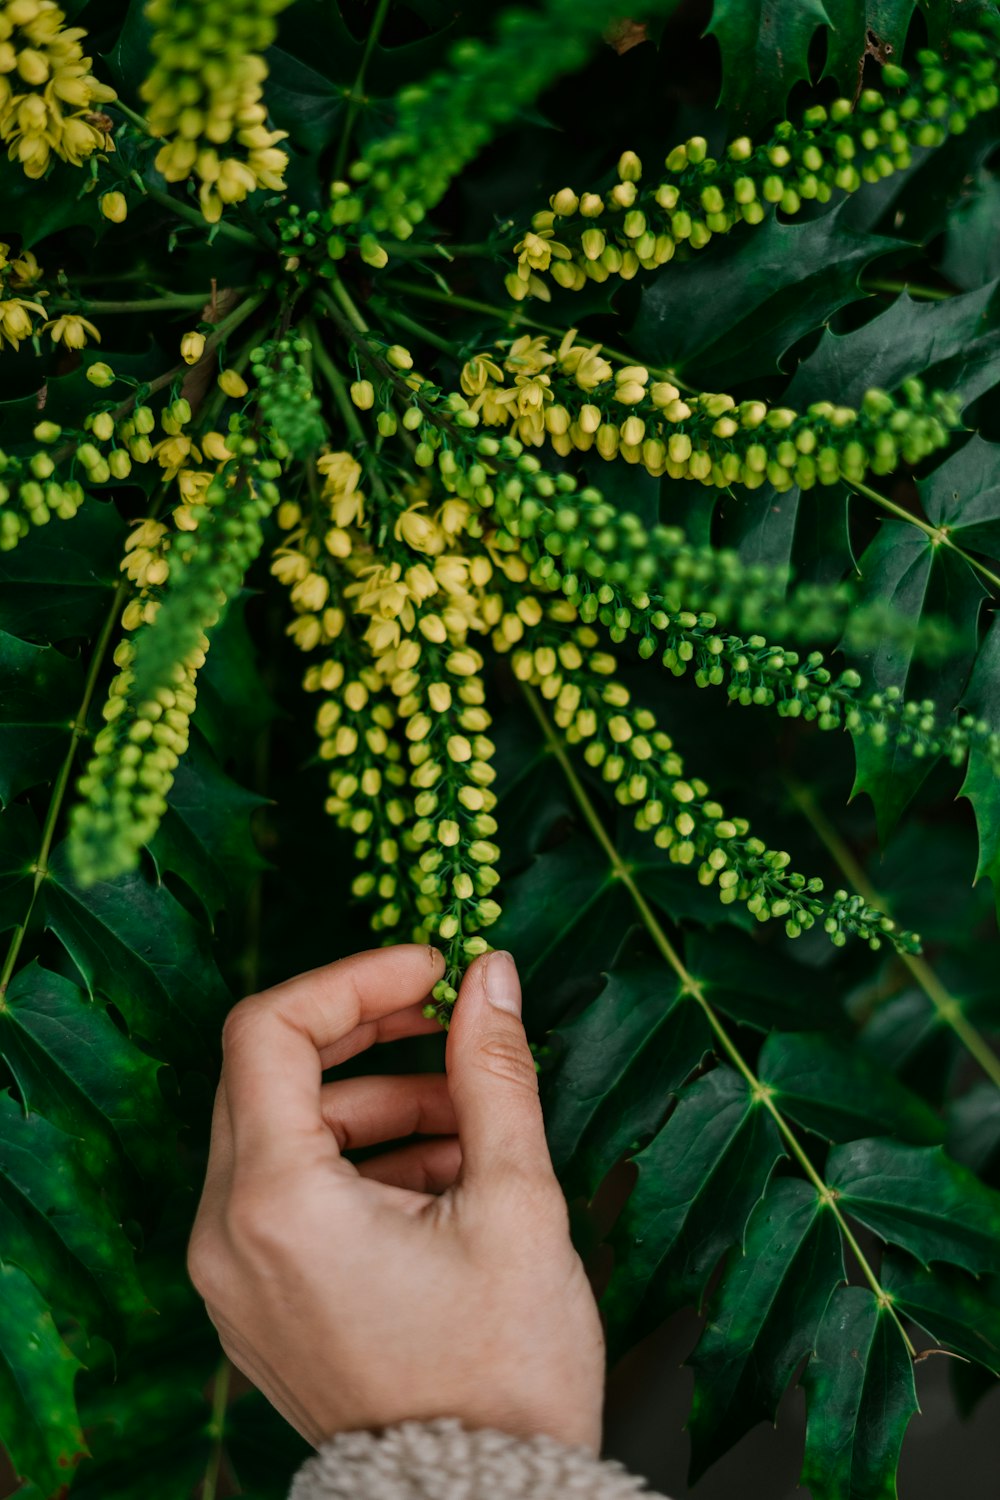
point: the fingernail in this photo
(503, 988)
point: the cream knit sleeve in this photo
(442, 1461)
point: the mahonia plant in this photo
(446, 503)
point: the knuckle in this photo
(509, 1059)
(204, 1261)
(242, 1018)
(251, 1221)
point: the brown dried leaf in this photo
(624, 35)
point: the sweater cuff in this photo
(428, 1460)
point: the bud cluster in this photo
(48, 95)
(444, 122)
(186, 578)
(289, 407)
(575, 401)
(204, 97)
(623, 743)
(19, 275)
(590, 236)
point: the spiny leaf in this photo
(851, 21)
(73, 1065)
(958, 1311)
(38, 1418)
(982, 785)
(765, 50)
(205, 837)
(952, 345)
(37, 683)
(860, 1395)
(698, 1182)
(763, 1317)
(971, 255)
(974, 1131)
(757, 987)
(56, 1224)
(917, 1198)
(734, 314)
(904, 570)
(830, 1086)
(58, 582)
(621, 1061)
(19, 841)
(135, 944)
(963, 495)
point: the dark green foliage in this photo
(815, 1129)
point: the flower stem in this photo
(947, 1007)
(217, 1430)
(691, 986)
(356, 95)
(185, 211)
(938, 534)
(926, 293)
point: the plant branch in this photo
(185, 211)
(947, 1007)
(690, 986)
(938, 534)
(217, 1430)
(926, 293)
(356, 96)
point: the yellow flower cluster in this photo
(575, 400)
(47, 91)
(205, 98)
(16, 276)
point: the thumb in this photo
(492, 1078)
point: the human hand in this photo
(437, 1279)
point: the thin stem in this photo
(944, 1003)
(410, 325)
(348, 305)
(147, 304)
(217, 1430)
(139, 121)
(938, 534)
(927, 293)
(759, 1091)
(337, 384)
(185, 211)
(356, 95)
(78, 729)
(514, 316)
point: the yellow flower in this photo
(15, 320)
(192, 347)
(71, 329)
(174, 451)
(114, 206)
(477, 372)
(535, 252)
(529, 356)
(419, 531)
(233, 384)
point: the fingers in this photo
(492, 1078)
(424, 1167)
(275, 1043)
(367, 1111)
(408, 1022)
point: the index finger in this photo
(273, 1042)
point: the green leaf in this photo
(56, 1224)
(38, 1418)
(758, 987)
(981, 785)
(974, 1131)
(73, 1065)
(828, 1085)
(130, 58)
(622, 1059)
(37, 684)
(963, 495)
(57, 583)
(917, 1198)
(303, 102)
(952, 345)
(955, 1309)
(904, 570)
(971, 254)
(135, 944)
(765, 51)
(851, 21)
(698, 1182)
(205, 837)
(731, 315)
(860, 1395)
(19, 841)
(763, 1317)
